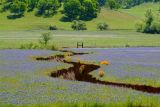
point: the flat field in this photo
(104, 39)
(26, 82)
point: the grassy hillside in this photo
(139, 11)
(121, 19)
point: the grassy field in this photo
(14, 33)
(14, 39)
(120, 19)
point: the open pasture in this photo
(103, 39)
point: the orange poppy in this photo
(104, 63)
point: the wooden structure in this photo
(79, 44)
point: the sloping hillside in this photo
(121, 19)
(139, 11)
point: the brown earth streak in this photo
(86, 77)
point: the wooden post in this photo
(79, 44)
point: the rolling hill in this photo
(122, 19)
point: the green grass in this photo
(127, 104)
(13, 39)
(140, 10)
(121, 19)
(30, 22)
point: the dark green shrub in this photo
(127, 45)
(53, 28)
(78, 25)
(102, 26)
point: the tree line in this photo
(72, 9)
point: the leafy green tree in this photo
(101, 2)
(89, 9)
(72, 9)
(17, 8)
(47, 7)
(81, 9)
(112, 4)
(31, 4)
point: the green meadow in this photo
(14, 39)
(121, 33)
(122, 19)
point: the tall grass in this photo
(127, 104)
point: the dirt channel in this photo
(80, 72)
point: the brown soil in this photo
(74, 73)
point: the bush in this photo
(45, 38)
(140, 26)
(53, 28)
(150, 24)
(155, 27)
(51, 47)
(78, 25)
(29, 46)
(102, 26)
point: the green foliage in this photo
(78, 25)
(17, 8)
(101, 2)
(31, 4)
(47, 7)
(45, 38)
(89, 10)
(29, 46)
(126, 3)
(53, 28)
(112, 4)
(84, 10)
(155, 27)
(102, 26)
(150, 24)
(139, 26)
(72, 9)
